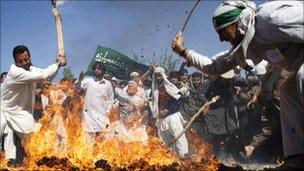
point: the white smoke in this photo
(61, 2)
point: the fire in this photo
(61, 142)
(280, 161)
(2, 160)
(203, 151)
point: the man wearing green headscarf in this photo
(275, 32)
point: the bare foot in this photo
(248, 150)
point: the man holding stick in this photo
(273, 32)
(18, 97)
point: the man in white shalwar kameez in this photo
(98, 101)
(274, 32)
(165, 108)
(17, 97)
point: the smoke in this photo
(61, 2)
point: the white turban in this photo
(242, 12)
(171, 89)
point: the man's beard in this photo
(26, 67)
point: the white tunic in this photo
(99, 98)
(18, 95)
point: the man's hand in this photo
(81, 76)
(163, 113)
(184, 63)
(178, 44)
(206, 109)
(152, 66)
(237, 90)
(252, 102)
(61, 60)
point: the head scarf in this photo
(134, 74)
(171, 89)
(260, 69)
(241, 12)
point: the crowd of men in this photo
(259, 81)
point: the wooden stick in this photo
(57, 16)
(214, 99)
(188, 17)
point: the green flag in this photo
(117, 64)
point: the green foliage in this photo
(67, 74)
(168, 62)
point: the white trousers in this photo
(7, 135)
(10, 149)
(169, 128)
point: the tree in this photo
(67, 74)
(168, 62)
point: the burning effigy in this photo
(60, 143)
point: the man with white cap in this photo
(275, 33)
(165, 107)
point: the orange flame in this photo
(70, 141)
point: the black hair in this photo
(101, 66)
(183, 71)
(250, 73)
(123, 83)
(197, 74)
(174, 74)
(147, 83)
(40, 85)
(19, 49)
(3, 74)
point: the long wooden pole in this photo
(58, 21)
(214, 99)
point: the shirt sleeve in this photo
(121, 95)
(111, 93)
(34, 74)
(220, 65)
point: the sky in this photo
(130, 27)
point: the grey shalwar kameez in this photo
(279, 39)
